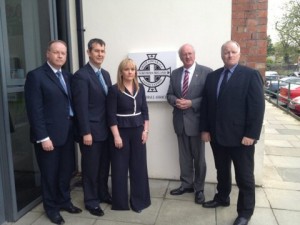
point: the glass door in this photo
(27, 29)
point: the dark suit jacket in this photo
(238, 111)
(89, 101)
(47, 105)
(188, 119)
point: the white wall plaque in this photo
(154, 71)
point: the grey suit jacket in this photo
(187, 120)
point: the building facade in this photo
(26, 26)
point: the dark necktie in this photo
(224, 81)
(102, 81)
(185, 84)
(63, 84)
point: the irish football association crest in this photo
(152, 72)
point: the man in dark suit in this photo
(49, 109)
(232, 113)
(185, 95)
(89, 90)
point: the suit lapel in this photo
(234, 77)
(177, 82)
(94, 77)
(197, 73)
(51, 75)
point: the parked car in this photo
(294, 105)
(295, 74)
(270, 76)
(272, 87)
(288, 92)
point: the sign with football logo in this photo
(154, 70)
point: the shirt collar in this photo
(53, 69)
(231, 70)
(191, 69)
(96, 69)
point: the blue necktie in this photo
(63, 84)
(62, 81)
(102, 81)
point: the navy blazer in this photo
(238, 111)
(125, 104)
(47, 105)
(89, 102)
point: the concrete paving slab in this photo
(105, 222)
(288, 137)
(158, 188)
(278, 143)
(263, 216)
(285, 217)
(289, 174)
(287, 131)
(72, 220)
(226, 215)
(293, 127)
(295, 143)
(147, 216)
(69, 220)
(271, 131)
(177, 212)
(261, 198)
(283, 199)
(282, 185)
(271, 174)
(285, 162)
(29, 218)
(276, 126)
(292, 152)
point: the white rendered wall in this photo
(156, 25)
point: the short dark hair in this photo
(95, 40)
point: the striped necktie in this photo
(185, 84)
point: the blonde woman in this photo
(129, 121)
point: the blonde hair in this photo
(123, 64)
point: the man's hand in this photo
(87, 139)
(247, 141)
(205, 136)
(183, 103)
(47, 145)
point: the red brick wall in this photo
(249, 29)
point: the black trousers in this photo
(56, 168)
(243, 161)
(133, 158)
(95, 163)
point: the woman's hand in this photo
(144, 136)
(118, 142)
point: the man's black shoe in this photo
(72, 209)
(214, 204)
(199, 197)
(181, 190)
(96, 211)
(241, 221)
(56, 219)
